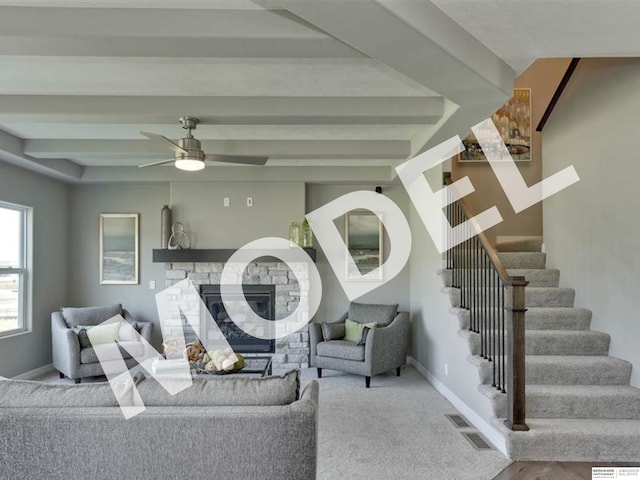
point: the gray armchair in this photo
(73, 357)
(384, 349)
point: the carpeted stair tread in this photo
(554, 439)
(526, 260)
(518, 243)
(557, 318)
(576, 370)
(583, 401)
(537, 277)
(549, 342)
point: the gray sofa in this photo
(227, 428)
(73, 360)
(385, 347)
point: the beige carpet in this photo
(395, 430)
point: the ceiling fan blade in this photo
(239, 159)
(165, 141)
(153, 164)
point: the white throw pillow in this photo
(127, 332)
(107, 333)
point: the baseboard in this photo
(35, 373)
(496, 438)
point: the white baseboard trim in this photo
(496, 438)
(35, 373)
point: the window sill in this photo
(14, 333)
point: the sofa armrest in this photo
(145, 328)
(386, 347)
(65, 347)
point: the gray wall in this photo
(87, 202)
(334, 302)
(199, 206)
(49, 199)
(591, 229)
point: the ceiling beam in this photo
(311, 174)
(422, 43)
(11, 151)
(281, 149)
(221, 110)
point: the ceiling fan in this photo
(188, 152)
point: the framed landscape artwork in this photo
(363, 237)
(119, 255)
(513, 121)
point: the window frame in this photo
(23, 271)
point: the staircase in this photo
(579, 404)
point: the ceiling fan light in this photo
(189, 164)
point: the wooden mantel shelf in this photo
(209, 255)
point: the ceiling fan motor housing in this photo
(191, 145)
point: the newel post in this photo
(515, 356)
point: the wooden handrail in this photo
(558, 93)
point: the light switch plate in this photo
(249, 201)
(226, 201)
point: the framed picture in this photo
(513, 121)
(363, 237)
(119, 251)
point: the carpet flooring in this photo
(396, 430)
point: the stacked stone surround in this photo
(292, 351)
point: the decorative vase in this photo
(307, 235)
(165, 226)
(294, 234)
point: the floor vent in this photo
(458, 420)
(477, 441)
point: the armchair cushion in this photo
(75, 316)
(341, 349)
(333, 331)
(88, 355)
(383, 315)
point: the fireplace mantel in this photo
(209, 255)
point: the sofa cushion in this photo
(341, 349)
(220, 390)
(88, 355)
(333, 331)
(28, 394)
(383, 315)
(75, 316)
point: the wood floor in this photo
(552, 470)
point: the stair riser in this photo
(606, 408)
(536, 297)
(560, 319)
(523, 260)
(586, 447)
(550, 344)
(559, 374)
(537, 277)
(518, 244)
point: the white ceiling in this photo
(311, 83)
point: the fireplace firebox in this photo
(261, 299)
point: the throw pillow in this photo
(353, 330)
(332, 331)
(383, 315)
(126, 334)
(100, 334)
(83, 338)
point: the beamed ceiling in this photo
(334, 89)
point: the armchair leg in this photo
(398, 371)
(61, 374)
(319, 373)
(77, 380)
(367, 381)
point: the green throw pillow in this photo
(353, 330)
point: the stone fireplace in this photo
(257, 278)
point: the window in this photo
(14, 261)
